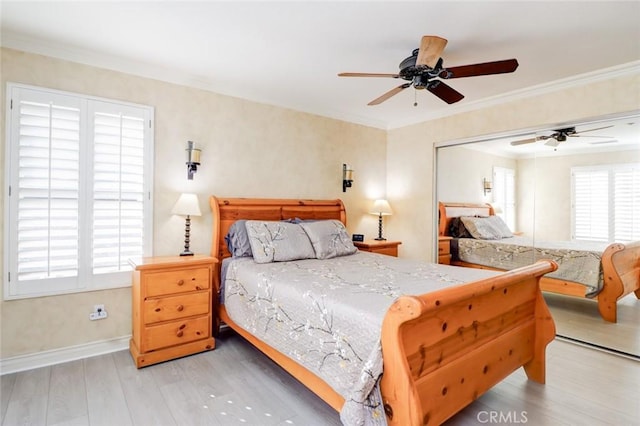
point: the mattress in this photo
(327, 314)
(578, 261)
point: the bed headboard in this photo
(225, 211)
(447, 211)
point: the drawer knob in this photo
(181, 282)
(180, 308)
(180, 330)
(158, 309)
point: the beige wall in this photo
(410, 149)
(248, 150)
(461, 171)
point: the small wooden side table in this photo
(172, 307)
(390, 248)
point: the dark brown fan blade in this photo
(389, 94)
(365, 74)
(444, 92)
(593, 130)
(487, 68)
(431, 48)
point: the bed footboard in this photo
(442, 350)
(621, 267)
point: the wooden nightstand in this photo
(389, 248)
(444, 249)
(172, 307)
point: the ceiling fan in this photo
(560, 135)
(423, 69)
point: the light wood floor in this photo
(578, 318)
(237, 385)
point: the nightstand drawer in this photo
(176, 333)
(178, 281)
(389, 251)
(174, 307)
(443, 247)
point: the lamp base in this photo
(186, 253)
(380, 239)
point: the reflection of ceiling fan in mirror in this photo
(561, 135)
(423, 69)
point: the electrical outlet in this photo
(98, 313)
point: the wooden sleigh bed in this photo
(620, 264)
(441, 350)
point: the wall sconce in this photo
(347, 177)
(486, 185)
(193, 159)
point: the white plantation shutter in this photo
(48, 165)
(504, 194)
(118, 189)
(590, 204)
(606, 203)
(79, 173)
(626, 203)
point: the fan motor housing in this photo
(418, 74)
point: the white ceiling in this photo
(289, 53)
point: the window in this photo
(79, 198)
(606, 203)
(504, 195)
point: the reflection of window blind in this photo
(606, 203)
(591, 211)
(626, 201)
(504, 194)
(79, 169)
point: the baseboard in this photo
(58, 356)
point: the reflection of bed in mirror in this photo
(441, 349)
(606, 272)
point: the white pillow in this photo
(329, 238)
(278, 241)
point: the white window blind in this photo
(626, 201)
(504, 194)
(606, 203)
(79, 173)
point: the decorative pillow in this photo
(329, 238)
(503, 229)
(457, 229)
(238, 240)
(484, 228)
(278, 241)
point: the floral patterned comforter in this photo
(578, 262)
(327, 314)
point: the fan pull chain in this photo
(415, 98)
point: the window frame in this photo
(85, 280)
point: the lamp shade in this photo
(381, 207)
(187, 205)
